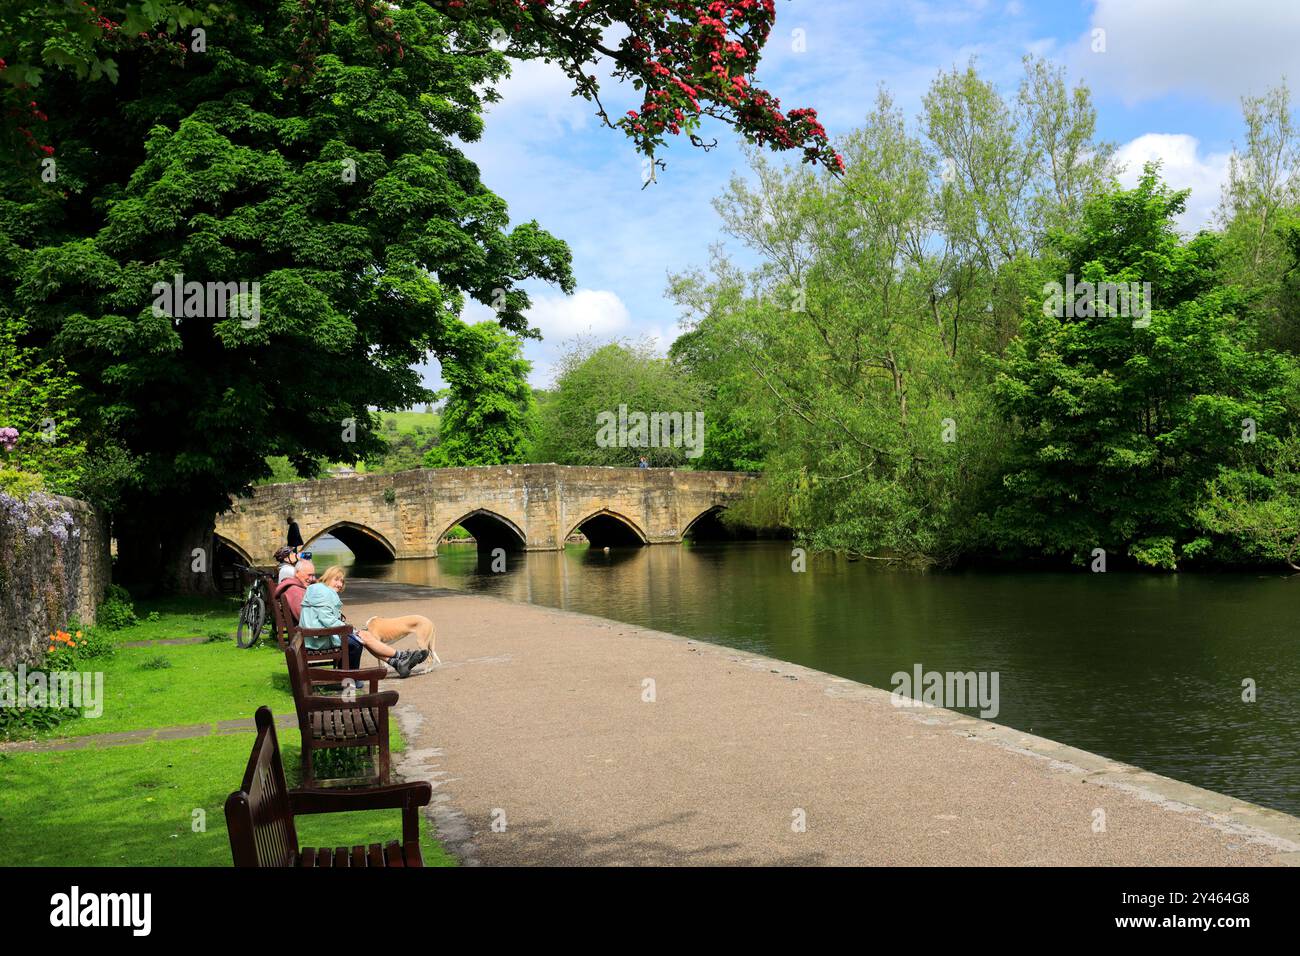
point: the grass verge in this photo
(160, 802)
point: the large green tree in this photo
(343, 196)
(309, 146)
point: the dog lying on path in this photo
(390, 630)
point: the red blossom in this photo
(689, 57)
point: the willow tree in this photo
(310, 147)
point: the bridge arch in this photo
(232, 549)
(490, 530)
(609, 529)
(707, 526)
(366, 544)
(225, 555)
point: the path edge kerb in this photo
(1259, 824)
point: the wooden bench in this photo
(260, 815)
(332, 721)
(286, 628)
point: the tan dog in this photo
(390, 630)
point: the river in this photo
(1147, 669)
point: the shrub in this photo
(18, 723)
(117, 611)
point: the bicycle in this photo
(252, 615)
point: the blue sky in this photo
(1167, 85)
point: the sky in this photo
(1167, 78)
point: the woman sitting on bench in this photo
(323, 608)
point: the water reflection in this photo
(1145, 669)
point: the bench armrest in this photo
(394, 796)
(334, 676)
(407, 797)
(386, 698)
(340, 631)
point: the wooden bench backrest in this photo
(295, 656)
(279, 610)
(258, 817)
(286, 625)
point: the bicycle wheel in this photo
(252, 618)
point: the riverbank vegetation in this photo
(895, 358)
(976, 345)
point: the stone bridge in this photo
(517, 507)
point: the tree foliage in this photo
(489, 415)
(1121, 426)
(594, 381)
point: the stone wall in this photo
(54, 567)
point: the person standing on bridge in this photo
(294, 539)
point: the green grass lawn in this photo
(180, 684)
(133, 804)
(182, 617)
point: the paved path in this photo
(536, 719)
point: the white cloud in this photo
(1218, 49)
(594, 312)
(536, 102)
(1182, 167)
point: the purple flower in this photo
(8, 438)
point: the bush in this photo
(117, 611)
(20, 723)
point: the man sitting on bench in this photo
(293, 587)
(321, 607)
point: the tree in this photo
(309, 148)
(1259, 206)
(79, 40)
(597, 386)
(489, 415)
(1124, 419)
(736, 432)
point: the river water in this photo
(1147, 669)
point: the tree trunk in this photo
(165, 552)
